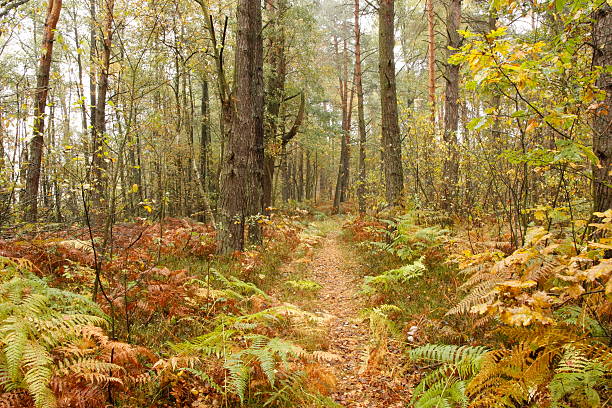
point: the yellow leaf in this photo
(532, 125)
(148, 208)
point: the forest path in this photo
(335, 267)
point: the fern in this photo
(578, 316)
(237, 286)
(52, 345)
(445, 386)
(304, 286)
(30, 328)
(573, 369)
(388, 281)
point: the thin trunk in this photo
(301, 176)
(392, 158)
(347, 107)
(93, 66)
(99, 162)
(40, 102)
(360, 114)
(5, 194)
(602, 125)
(308, 191)
(431, 62)
(205, 135)
(285, 173)
(81, 87)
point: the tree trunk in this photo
(301, 176)
(275, 92)
(450, 172)
(602, 124)
(99, 145)
(204, 141)
(431, 62)
(360, 114)
(40, 103)
(93, 57)
(242, 176)
(391, 144)
(5, 195)
(308, 191)
(347, 107)
(285, 174)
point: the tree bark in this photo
(391, 144)
(360, 114)
(431, 62)
(602, 124)
(99, 167)
(205, 139)
(275, 93)
(345, 146)
(450, 171)
(40, 103)
(242, 176)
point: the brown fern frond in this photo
(16, 399)
(545, 271)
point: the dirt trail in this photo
(337, 271)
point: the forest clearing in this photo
(305, 203)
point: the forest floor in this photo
(361, 381)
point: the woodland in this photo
(305, 203)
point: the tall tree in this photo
(40, 102)
(431, 61)
(276, 59)
(602, 125)
(391, 144)
(205, 135)
(242, 174)
(99, 138)
(361, 126)
(450, 171)
(346, 99)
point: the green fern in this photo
(304, 286)
(388, 281)
(578, 381)
(446, 385)
(34, 319)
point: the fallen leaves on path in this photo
(358, 386)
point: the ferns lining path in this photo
(359, 384)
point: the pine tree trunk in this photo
(347, 105)
(450, 171)
(242, 175)
(360, 114)
(40, 102)
(391, 145)
(602, 124)
(275, 92)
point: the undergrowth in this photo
(525, 329)
(198, 329)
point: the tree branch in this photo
(8, 5)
